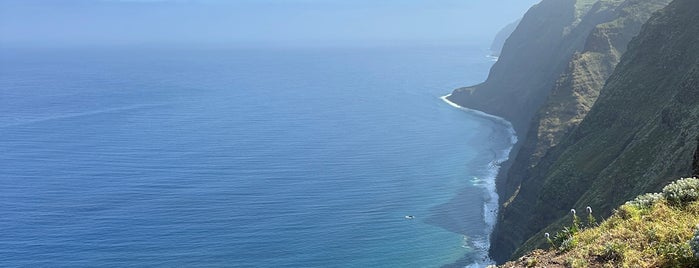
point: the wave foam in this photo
(510, 128)
(490, 207)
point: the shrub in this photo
(568, 244)
(629, 212)
(532, 262)
(681, 192)
(646, 200)
(694, 243)
(577, 263)
(613, 252)
(676, 255)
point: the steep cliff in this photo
(639, 134)
(501, 37)
(575, 92)
(535, 56)
(578, 87)
(518, 82)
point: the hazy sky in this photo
(253, 22)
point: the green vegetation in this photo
(695, 243)
(639, 133)
(655, 232)
(578, 87)
(646, 200)
(682, 192)
(644, 236)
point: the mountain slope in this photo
(578, 87)
(529, 75)
(535, 55)
(640, 133)
(576, 90)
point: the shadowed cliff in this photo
(639, 134)
(518, 81)
(534, 57)
(574, 94)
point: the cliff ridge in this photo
(639, 133)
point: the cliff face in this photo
(518, 81)
(573, 95)
(501, 37)
(639, 134)
(535, 55)
(578, 87)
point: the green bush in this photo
(568, 244)
(694, 243)
(646, 200)
(682, 191)
(613, 252)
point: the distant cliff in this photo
(534, 57)
(501, 37)
(640, 131)
(527, 67)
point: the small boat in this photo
(409, 217)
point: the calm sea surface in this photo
(243, 158)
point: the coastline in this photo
(495, 118)
(491, 205)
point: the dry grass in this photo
(640, 237)
(639, 234)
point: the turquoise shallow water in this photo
(244, 158)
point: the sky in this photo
(253, 22)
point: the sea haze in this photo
(244, 158)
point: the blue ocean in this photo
(333, 157)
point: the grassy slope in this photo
(634, 236)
